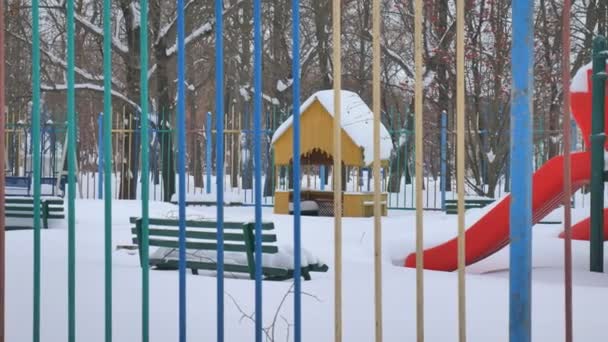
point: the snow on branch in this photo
(61, 62)
(284, 84)
(89, 86)
(165, 30)
(202, 30)
(394, 56)
(89, 26)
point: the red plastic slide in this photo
(581, 230)
(491, 233)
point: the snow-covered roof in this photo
(357, 122)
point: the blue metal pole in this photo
(208, 146)
(444, 140)
(520, 324)
(295, 70)
(219, 123)
(181, 165)
(100, 156)
(257, 142)
(322, 175)
(573, 131)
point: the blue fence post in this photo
(208, 133)
(322, 175)
(181, 165)
(219, 173)
(520, 282)
(100, 156)
(574, 132)
(257, 113)
(444, 131)
(297, 290)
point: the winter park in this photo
(305, 170)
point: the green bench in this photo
(23, 207)
(201, 236)
(451, 205)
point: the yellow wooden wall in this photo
(316, 133)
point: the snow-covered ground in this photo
(487, 283)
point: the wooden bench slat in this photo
(199, 265)
(200, 223)
(19, 208)
(268, 249)
(202, 235)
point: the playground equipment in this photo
(491, 232)
(356, 139)
(517, 221)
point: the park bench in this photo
(207, 203)
(23, 207)
(451, 205)
(239, 245)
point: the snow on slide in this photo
(491, 232)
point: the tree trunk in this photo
(129, 178)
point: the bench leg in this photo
(195, 271)
(306, 274)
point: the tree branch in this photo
(121, 48)
(204, 30)
(90, 86)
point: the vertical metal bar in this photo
(521, 168)
(3, 144)
(567, 125)
(295, 8)
(131, 134)
(257, 103)
(418, 132)
(107, 138)
(145, 178)
(460, 126)
(376, 29)
(181, 164)
(444, 131)
(573, 132)
(219, 123)
(71, 106)
(208, 146)
(337, 133)
(598, 137)
(116, 136)
(322, 175)
(36, 161)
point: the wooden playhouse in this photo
(317, 120)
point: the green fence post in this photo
(107, 139)
(36, 161)
(71, 107)
(598, 137)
